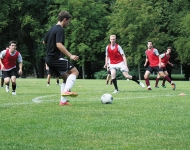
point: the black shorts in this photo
(164, 69)
(60, 66)
(156, 69)
(49, 72)
(10, 73)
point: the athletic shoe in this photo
(115, 91)
(156, 86)
(173, 86)
(13, 93)
(64, 103)
(47, 84)
(7, 88)
(67, 93)
(141, 84)
(163, 86)
(149, 89)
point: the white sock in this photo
(63, 99)
(70, 82)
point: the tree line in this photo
(165, 22)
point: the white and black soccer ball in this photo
(106, 99)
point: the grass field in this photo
(137, 119)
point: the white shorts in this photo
(120, 66)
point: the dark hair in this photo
(169, 48)
(64, 14)
(151, 42)
(12, 42)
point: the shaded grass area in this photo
(137, 119)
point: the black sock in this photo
(2, 81)
(14, 87)
(134, 78)
(115, 83)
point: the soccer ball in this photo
(106, 99)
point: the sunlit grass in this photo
(137, 119)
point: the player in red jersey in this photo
(8, 59)
(152, 56)
(117, 61)
(164, 61)
(2, 79)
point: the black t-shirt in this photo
(54, 35)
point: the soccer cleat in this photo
(13, 93)
(115, 91)
(7, 88)
(64, 103)
(173, 86)
(67, 93)
(47, 84)
(149, 89)
(141, 84)
(156, 86)
(163, 86)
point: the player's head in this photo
(64, 17)
(112, 39)
(169, 50)
(150, 44)
(12, 45)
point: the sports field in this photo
(137, 119)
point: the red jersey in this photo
(114, 54)
(9, 61)
(152, 58)
(164, 59)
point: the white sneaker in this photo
(47, 84)
(141, 84)
(7, 88)
(115, 91)
(14, 93)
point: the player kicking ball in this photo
(117, 61)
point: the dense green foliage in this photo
(165, 22)
(137, 119)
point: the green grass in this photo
(137, 119)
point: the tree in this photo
(86, 32)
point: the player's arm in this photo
(125, 61)
(106, 61)
(106, 58)
(2, 54)
(20, 68)
(20, 63)
(159, 61)
(62, 48)
(146, 60)
(170, 63)
(157, 54)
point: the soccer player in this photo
(152, 56)
(55, 40)
(117, 60)
(108, 78)
(48, 71)
(8, 59)
(2, 79)
(164, 61)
